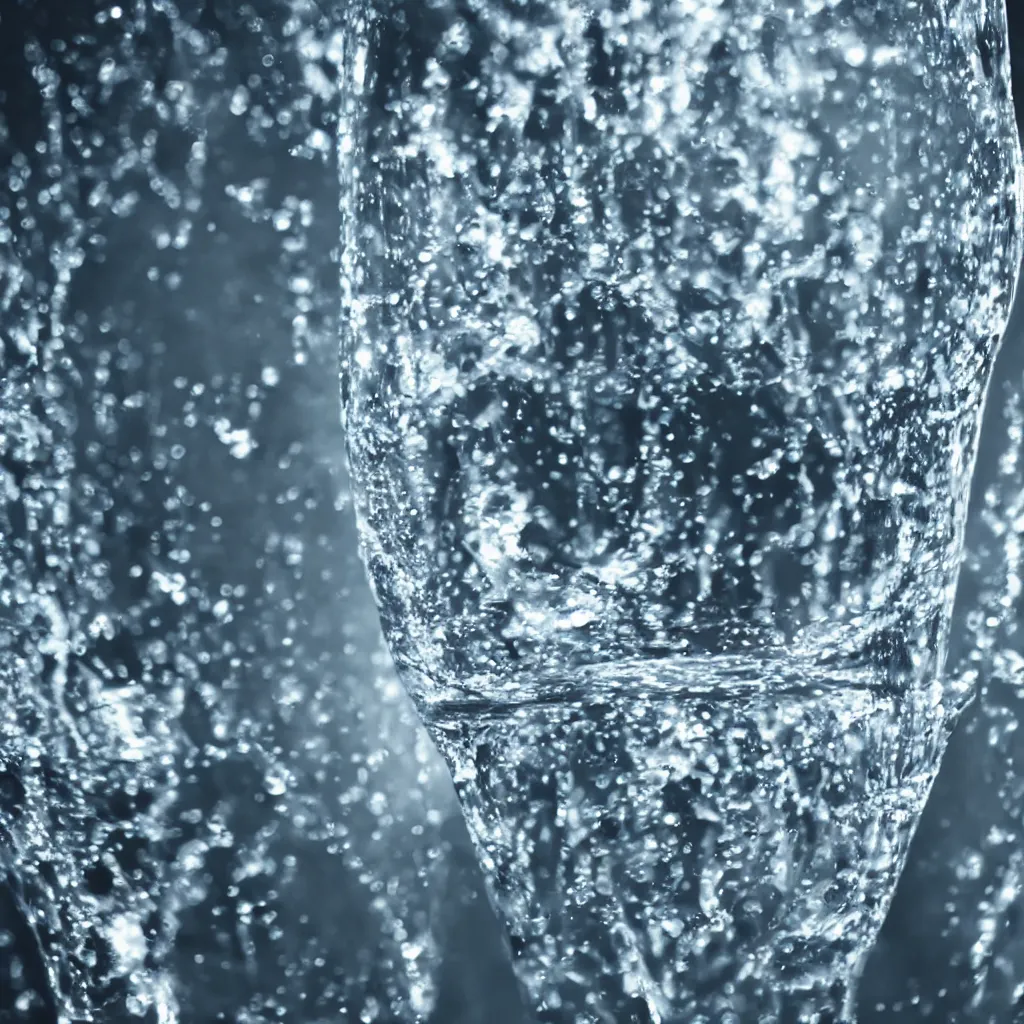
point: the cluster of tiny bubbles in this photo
(989, 864)
(962, 893)
(669, 328)
(215, 802)
(203, 814)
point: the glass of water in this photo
(667, 331)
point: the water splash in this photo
(549, 418)
(193, 790)
(186, 757)
(668, 331)
(681, 842)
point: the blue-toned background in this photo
(289, 848)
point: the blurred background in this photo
(215, 801)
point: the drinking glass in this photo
(666, 334)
